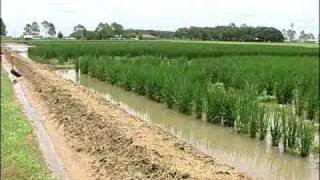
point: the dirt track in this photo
(108, 143)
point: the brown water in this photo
(256, 158)
(22, 49)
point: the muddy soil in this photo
(118, 145)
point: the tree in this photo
(92, 35)
(231, 33)
(3, 28)
(310, 36)
(291, 32)
(103, 31)
(45, 27)
(60, 35)
(271, 34)
(52, 30)
(28, 29)
(232, 25)
(303, 36)
(285, 34)
(244, 25)
(79, 32)
(35, 28)
(117, 28)
(182, 33)
(48, 28)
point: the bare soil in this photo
(98, 140)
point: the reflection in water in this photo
(256, 158)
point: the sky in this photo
(161, 14)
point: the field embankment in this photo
(119, 145)
(20, 155)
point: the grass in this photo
(20, 156)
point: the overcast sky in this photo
(161, 14)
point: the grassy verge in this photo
(20, 156)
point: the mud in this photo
(119, 145)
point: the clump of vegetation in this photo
(263, 121)
(292, 131)
(275, 127)
(306, 133)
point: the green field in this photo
(20, 156)
(228, 83)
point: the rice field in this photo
(256, 89)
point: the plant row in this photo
(74, 49)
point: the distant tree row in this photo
(219, 33)
(102, 31)
(231, 33)
(48, 29)
(115, 30)
(290, 35)
(132, 33)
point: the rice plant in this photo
(284, 129)
(292, 131)
(306, 136)
(275, 128)
(263, 121)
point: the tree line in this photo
(47, 28)
(105, 31)
(219, 33)
(290, 35)
(230, 32)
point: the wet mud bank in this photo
(119, 146)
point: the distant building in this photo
(27, 37)
(134, 38)
(31, 36)
(70, 38)
(310, 41)
(148, 37)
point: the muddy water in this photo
(256, 158)
(22, 49)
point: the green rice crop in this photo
(306, 133)
(227, 83)
(73, 49)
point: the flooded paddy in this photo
(259, 159)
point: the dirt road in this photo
(98, 140)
